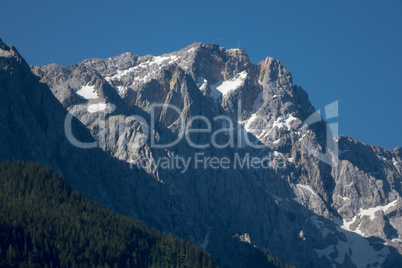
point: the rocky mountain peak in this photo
(11, 53)
(272, 70)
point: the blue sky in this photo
(350, 51)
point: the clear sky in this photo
(344, 50)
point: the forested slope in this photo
(44, 223)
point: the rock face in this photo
(32, 128)
(289, 185)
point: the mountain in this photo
(35, 126)
(229, 155)
(50, 225)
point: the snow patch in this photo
(120, 73)
(202, 82)
(363, 254)
(144, 79)
(264, 130)
(281, 123)
(381, 157)
(191, 49)
(365, 212)
(88, 92)
(225, 87)
(160, 59)
(357, 247)
(371, 211)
